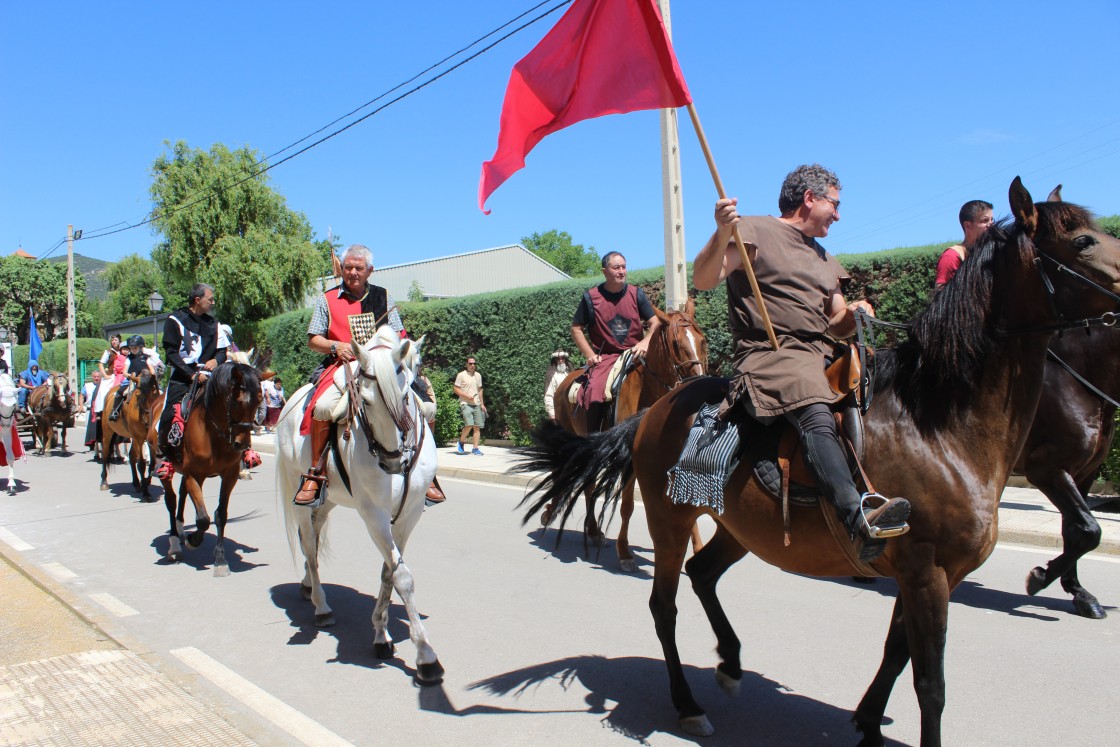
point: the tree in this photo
(223, 225)
(415, 292)
(131, 281)
(556, 248)
(28, 283)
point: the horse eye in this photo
(1082, 243)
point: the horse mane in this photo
(221, 381)
(1057, 218)
(934, 371)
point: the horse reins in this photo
(405, 424)
(684, 365)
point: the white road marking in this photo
(114, 605)
(272, 708)
(13, 541)
(59, 571)
(1054, 551)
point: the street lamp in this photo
(155, 303)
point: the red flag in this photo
(602, 57)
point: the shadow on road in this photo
(632, 694)
(202, 558)
(570, 546)
(353, 629)
(978, 596)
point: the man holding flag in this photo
(802, 285)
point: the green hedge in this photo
(55, 353)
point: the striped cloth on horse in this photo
(707, 460)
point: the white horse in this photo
(9, 403)
(389, 461)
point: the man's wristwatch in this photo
(334, 348)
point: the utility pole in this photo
(676, 278)
(71, 326)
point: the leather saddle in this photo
(775, 450)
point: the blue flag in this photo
(33, 339)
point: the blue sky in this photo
(918, 107)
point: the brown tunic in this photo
(797, 277)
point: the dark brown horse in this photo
(134, 423)
(1068, 443)
(678, 350)
(219, 430)
(951, 411)
(53, 406)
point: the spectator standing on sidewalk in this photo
(468, 388)
(557, 372)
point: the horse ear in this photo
(690, 307)
(401, 353)
(1022, 207)
(661, 315)
(360, 353)
(1055, 194)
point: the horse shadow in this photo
(631, 695)
(202, 557)
(353, 628)
(570, 546)
(978, 596)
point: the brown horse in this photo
(53, 405)
(1068, 443)
(218, 431)
(951, 411)
(134, 423)
(678, 350)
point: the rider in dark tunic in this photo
(613, 313)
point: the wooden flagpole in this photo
(747, 268)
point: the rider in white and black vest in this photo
(194, 347)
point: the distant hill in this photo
(93, 270)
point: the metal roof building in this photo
(499, 268)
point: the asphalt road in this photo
(547, 645)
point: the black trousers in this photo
(824, 455)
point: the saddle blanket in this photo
(706, 462)
(612, 380)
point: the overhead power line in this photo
(207, 193)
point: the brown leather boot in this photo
(434, 494)
(315, 478)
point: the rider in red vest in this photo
(329, 333)
(613, 313)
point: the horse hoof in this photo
(1036, 581)
(305, 592)
(175, 557)
(628, 565)
(1088, 606)
(728, 684)
(192, 543)
(429, 674)
(324, 620)
(384, 651)
(221, 571)
(104, 486)
(546, 517)
(145, 498)
(697, 726)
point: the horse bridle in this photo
(684, 365)
(405, 423)
(1107, 319)
(228, 434)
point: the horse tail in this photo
(600, 462)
